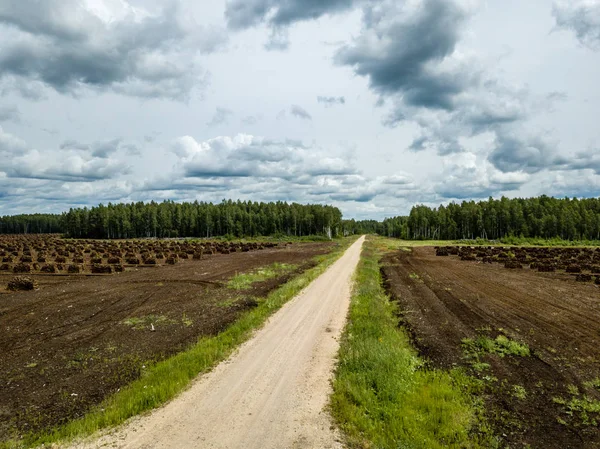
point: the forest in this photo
(539, 217)
(170, 219)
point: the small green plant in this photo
(186, 321)
(480, 366)
(519, 392)
(593, 384)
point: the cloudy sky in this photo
(370, 105)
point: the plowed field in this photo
(76, 339)
(549, 398)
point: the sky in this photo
(369, 105)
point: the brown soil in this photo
(444, 300)
(65, 347)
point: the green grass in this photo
(244, 281)
(164, 380)
(384, 396)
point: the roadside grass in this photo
(384, 396)
(164, 380)
(244, 281)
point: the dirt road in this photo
(272, 393)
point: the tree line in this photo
(540, 217)
(31, 224)
(197, 219)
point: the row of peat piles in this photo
(50, 254)
(583, 263)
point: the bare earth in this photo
(272, 393)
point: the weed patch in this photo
(244, 281)
(501, 346)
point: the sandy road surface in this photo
(272, 392)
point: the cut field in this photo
(531, 337)
(79, 338)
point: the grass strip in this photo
(384, 396)
(164, 380)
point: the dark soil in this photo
(77, 339)
(444, 300)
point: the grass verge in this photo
(164, 380)
(384, 396)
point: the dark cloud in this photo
(221, 116)
(65, 46)
(398, 46)
(105, 149)
(407, 50)
(242, 14)
(512, 153)
(9, 113)
(418, 144)
(587, 160)
(580, 17)
(299, 112)
(331, 101)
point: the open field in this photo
(531, 337)
(79, 338)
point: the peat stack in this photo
(21, 283)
